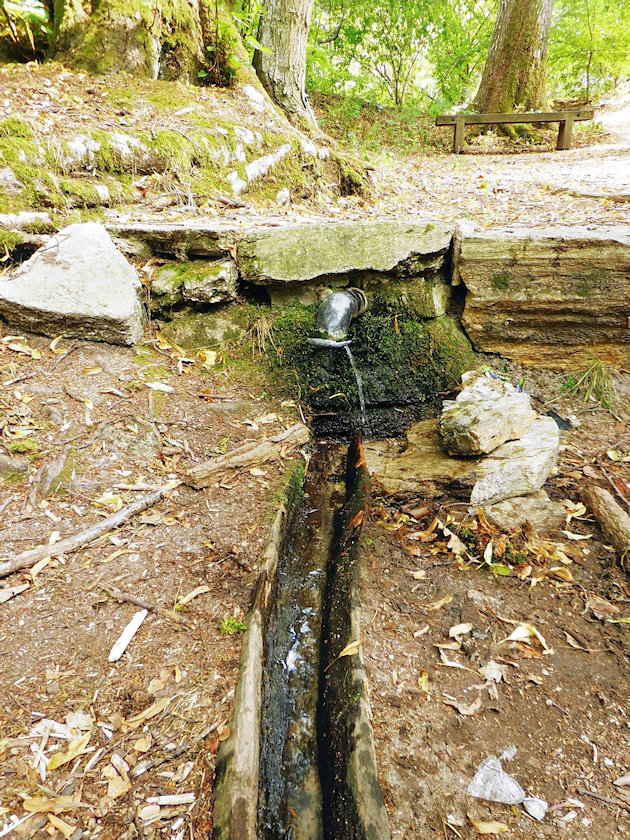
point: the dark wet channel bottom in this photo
(291, 803)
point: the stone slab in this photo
(78, 284)
(549, 297)
(192, 238)
(311, 250)
(421, 467)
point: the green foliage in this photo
(230, 626)
(589, 47)
(596, 383)
(398, 51)
(15, 126)
(401, 360)
(25, 25)
(26, 445)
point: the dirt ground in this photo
(151, 721)
(562, 705)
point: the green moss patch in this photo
(15, 126)
(402, 361)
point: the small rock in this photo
(54, 414)
(487, 412)
(24, 219)
(9, 182)
(520, 466)
(284, 196)
(10, 466)
(535, 508)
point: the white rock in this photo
(487, 412)
(78, 284)
(259, 167)
(23, 219)
(9, 182)
(284, 196)
(535, 508)
(256, 98)
(245, 134)
(236, 182)
(520, 466)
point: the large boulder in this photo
(78, 284)
(550, 297)
(486, 413)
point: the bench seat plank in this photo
(564, 118)
(526, 117)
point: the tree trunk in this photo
(159, 39)
(283, 31)
(514, 75)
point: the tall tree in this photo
(514, 74)
(281, 59)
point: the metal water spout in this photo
(335, 313)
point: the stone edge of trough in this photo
(237, 770)
(347, 693)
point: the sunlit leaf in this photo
(492, 827)
(74, 749)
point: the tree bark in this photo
(514, 74)
(283, 30)
(160, 39)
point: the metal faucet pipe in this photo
(334, 316)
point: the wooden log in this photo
(28, 558)
(247, 455)
(614, 521)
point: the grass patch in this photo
(595, 383)
(230, 626)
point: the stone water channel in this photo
(313, 774)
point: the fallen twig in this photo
(247, 455)
(613, 519)
(585, 792)
(29, 558)
(140, 602)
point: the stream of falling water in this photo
(357, 376)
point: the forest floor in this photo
(149, 725)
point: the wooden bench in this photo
(565, 118)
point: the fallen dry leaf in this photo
(436, 605)
(356, 520)
(466, 709)
(350, 650)
(52, 804)
(186, 599)
(460, 630)
(74, 749)
(65, 828)
(492, 827)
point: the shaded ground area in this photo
(445, 698)
(148, 725)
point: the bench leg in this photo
(458, 136)
(565, 134)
